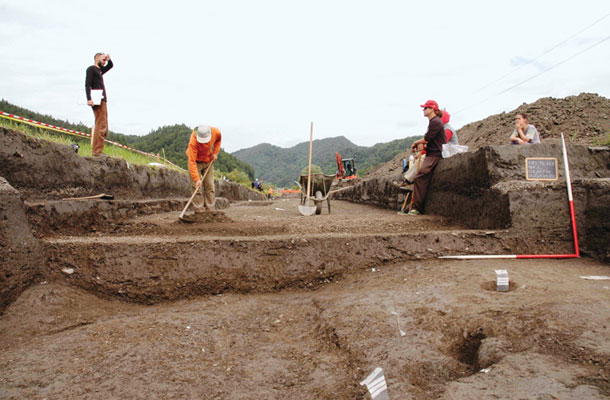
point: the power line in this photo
(535, 76)
(543, 54)
(556, 65)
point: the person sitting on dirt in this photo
(433, 140)
(524, 133)
(449, 131)
(202, 151)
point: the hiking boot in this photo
(414, 212)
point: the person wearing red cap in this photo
(202, 150)
(433, 140)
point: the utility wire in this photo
(537, 75)
(556, 65)
(544, 53)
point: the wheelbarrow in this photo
(320, 184)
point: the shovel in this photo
(181, 216)
(307, 209)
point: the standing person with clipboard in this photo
(97, 99)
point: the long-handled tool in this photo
(102, 196)
(307, 209)
(181, 217)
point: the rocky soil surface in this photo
(437, 327)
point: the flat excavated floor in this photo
(266, 303)
(251, 247)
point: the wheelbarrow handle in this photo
(329, 193)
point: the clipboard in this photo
(96, 96)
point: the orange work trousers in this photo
(100, 129)
(205, 201)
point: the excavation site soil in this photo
(273, 326)
(119, 299)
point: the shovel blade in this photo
(307, 210)
(186, 219)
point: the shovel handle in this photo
(195, 191)
(309, 167)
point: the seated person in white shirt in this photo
(524, 133)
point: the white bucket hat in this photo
(204, 133)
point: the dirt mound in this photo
(583, 119)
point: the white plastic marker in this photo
(502, 280)
(572, 216)
(376, 385)
(402, 333)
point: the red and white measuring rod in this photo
(522, 256)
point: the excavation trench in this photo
(118, 299)
(150, 269)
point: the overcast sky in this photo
(261, 70)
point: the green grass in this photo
(601, 141)
(83, 143)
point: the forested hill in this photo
(171, 139)
(281, 166)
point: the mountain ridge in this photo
(281, 165)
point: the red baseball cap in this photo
(432, 104)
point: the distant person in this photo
(524, 133)
(451, 134)
(203, 149)
(94, 80)
(433, 140)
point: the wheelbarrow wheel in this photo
(319, 201)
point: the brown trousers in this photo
(209, 199)
(422, 180)
(100, 129)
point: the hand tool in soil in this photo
(102, 196)
(307, 209)
(181, 216)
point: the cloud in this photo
(519, 61)
(407, 124)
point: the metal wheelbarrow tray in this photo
(320, 189)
